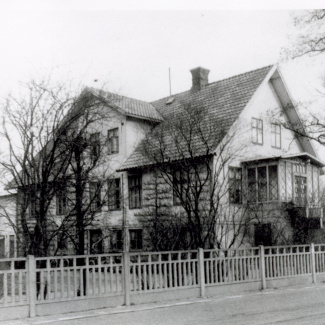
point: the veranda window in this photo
(262, 183)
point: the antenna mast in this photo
(170, 84)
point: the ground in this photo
(296, 305)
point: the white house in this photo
(250, 138)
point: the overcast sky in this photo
(131, 51)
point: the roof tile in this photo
(222, 101)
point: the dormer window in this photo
(257, 131)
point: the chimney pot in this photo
(199, 78)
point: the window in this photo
(95, 145)
(263, 234)
(262, 183)
(61, 202)
(95, 241)
(114, 194)
(136, 239)
(2, 247)
(112, 141)
(32, 208)
(62, 240)
(300, 190)
(276, 135)
(11, 246)
(135, 191)
(116, 239)
(95, 196)
(257, 131)
(179, 187)
(235, 185)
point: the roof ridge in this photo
(214, 82)
(118, 95)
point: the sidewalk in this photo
(199, 303)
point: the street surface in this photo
(297, 305)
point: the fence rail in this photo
(31, 281)
(13, 281)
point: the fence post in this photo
(262, 266)
(201, 272)
(313, 265)
(31, 284)
(126, 275)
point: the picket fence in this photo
(33, 281)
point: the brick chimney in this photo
(199, 78)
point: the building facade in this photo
(231, 155)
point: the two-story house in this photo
(267, 161)
(239, 141)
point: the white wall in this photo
(266, 106)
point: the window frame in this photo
(138, 241)
(95, 147)
(116, 239)
(135, 191)
(95, 196)
(276, 135)
(100, 242)
(114, 194)
(112, 141)
(179, 182)
(234, 183)
(257, 130)
(253, 187)
(61, 202)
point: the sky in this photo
(129, 47)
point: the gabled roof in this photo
(129, 106)
(222, 102)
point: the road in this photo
(283, 306)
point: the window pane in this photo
(2, 246)
(235, 185)
(262, 184)
(95, 196)
(136, 239)
(96, 241)
(116, 239)
(300, 190)
(113, 186)
(273, 182)
(257, 131)
(95, 145)
(276, 135)
(251, 195)
(112, 141)
(11, 246)
(135, 191)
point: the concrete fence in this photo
(40, 286)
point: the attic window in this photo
(170, 100)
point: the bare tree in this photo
(51, 156)
(310, 33)
(187, 203)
